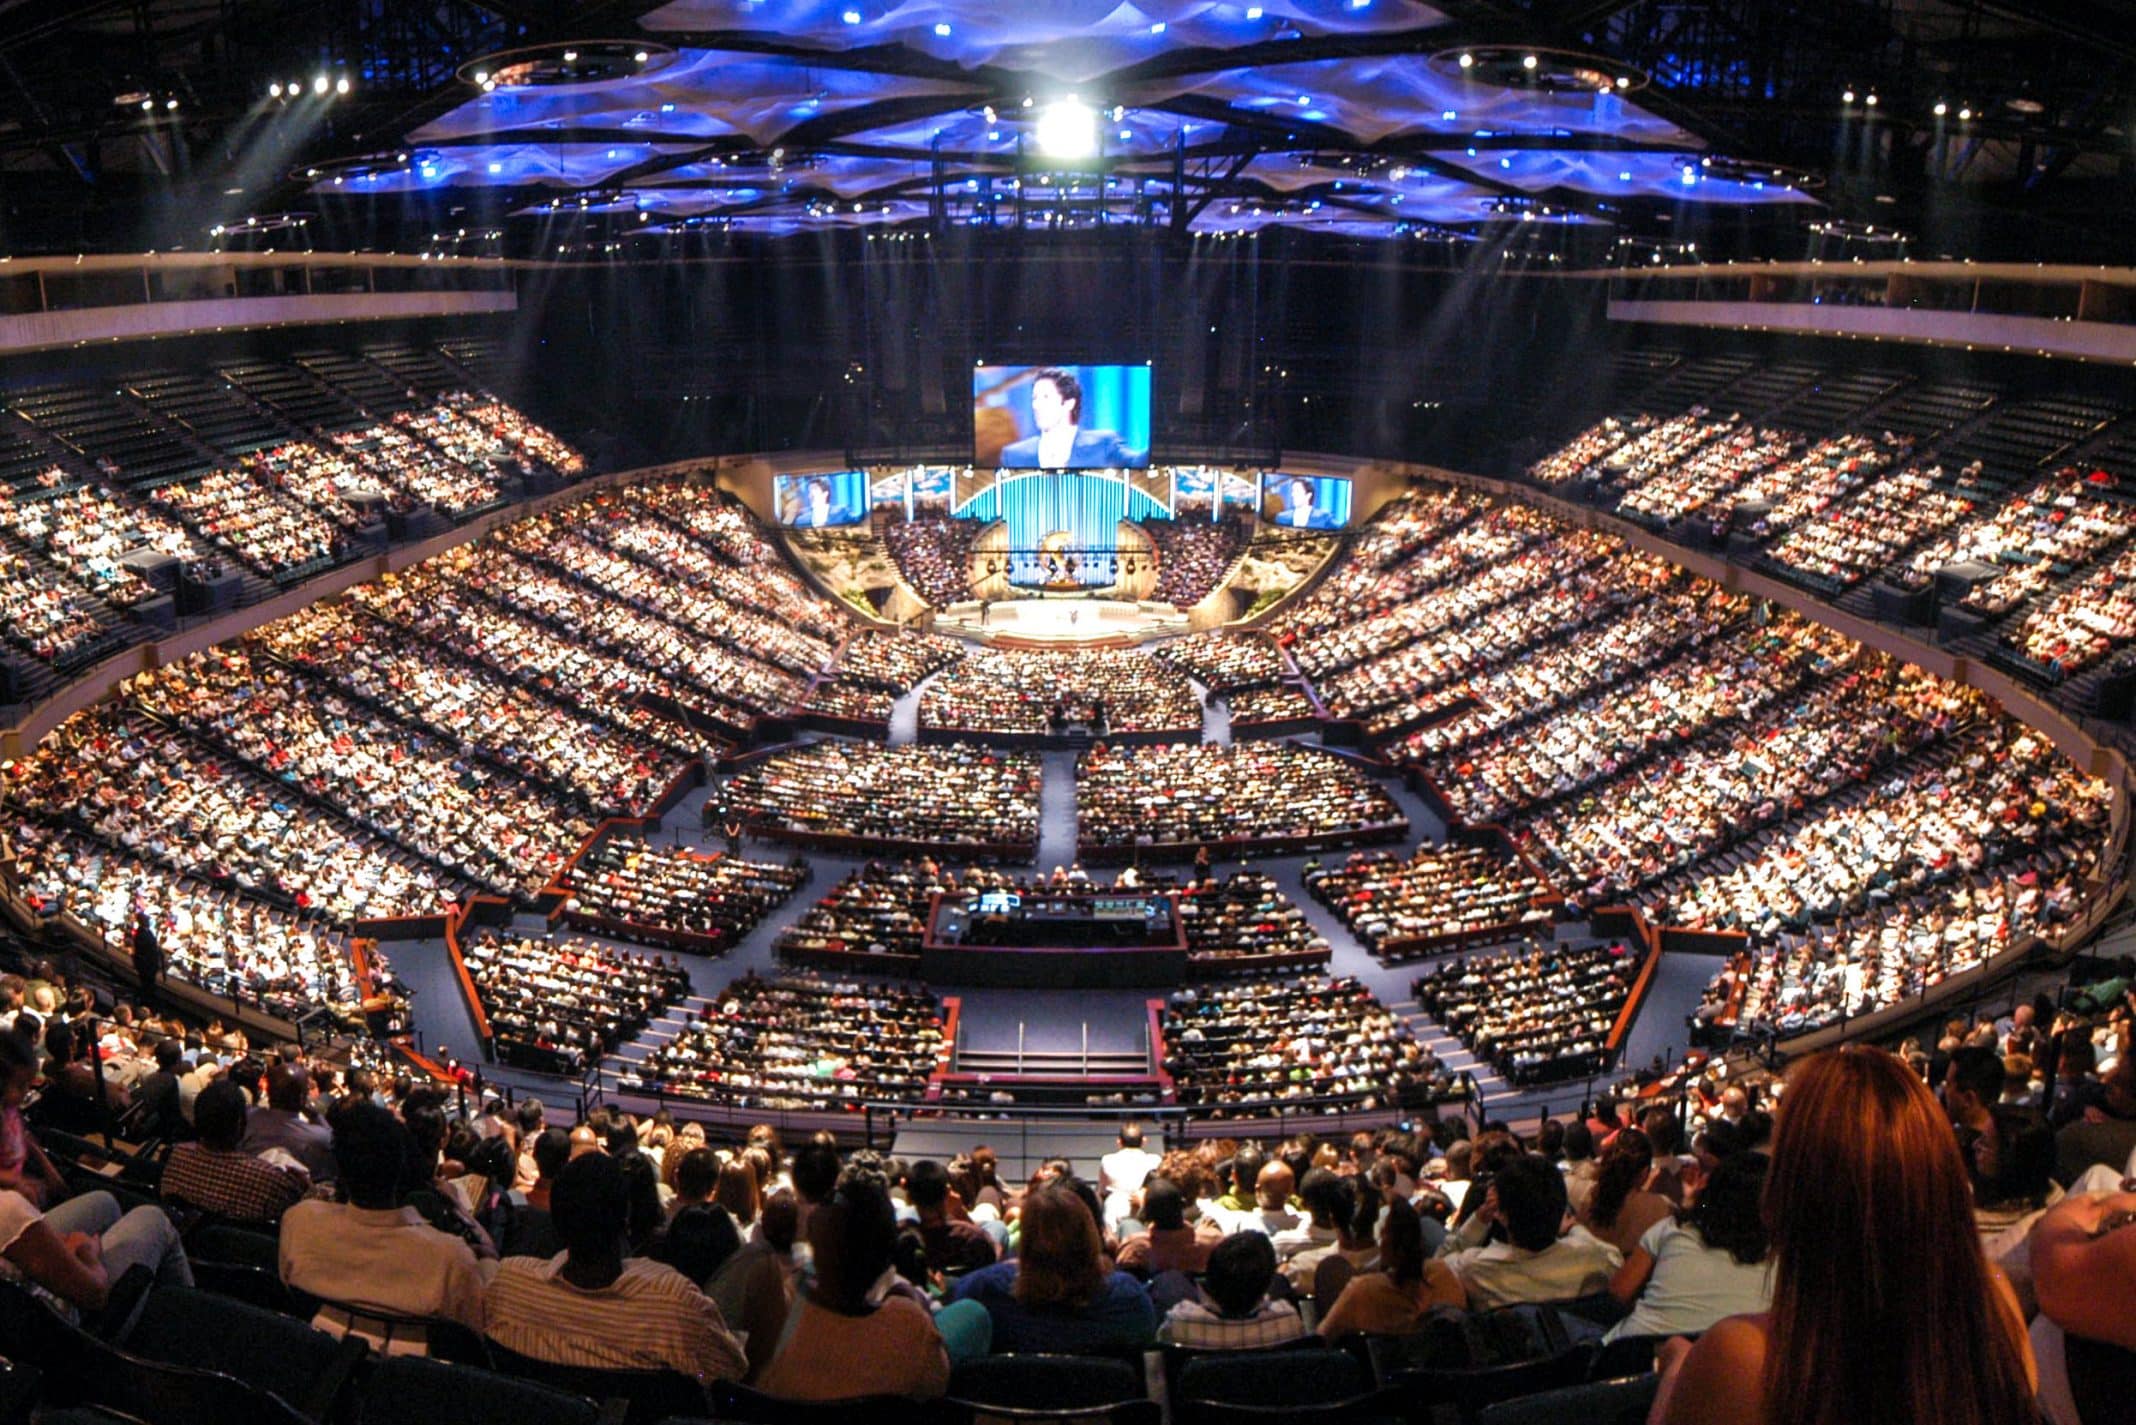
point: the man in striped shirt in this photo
(595, 1305)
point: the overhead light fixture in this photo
(1624, 81)
(320, 84)
(171, 104)
(571, 56)
(851, 17)
(640, 56)
(1941, 109)
(1870, 101)
(1847, 98)
(1068, 129)
(1964, 114)
(147, 104)
(942, 29)
(1468, 61)
(341, 85)
(274, 90)
(1527, 61)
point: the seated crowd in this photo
(1401, 905)
(1188, 794)
(701, 608)
(934, 553)
(1192, 555)
(687, 657)
(1653, 449)
(1393, 691)
(1617, 648)
(614, 769)
(799, 1040)
(1537, 1015)
(560, 1006)
(626, 1244)
(1998, 796)
(1234, 1050)
(228, 944)
(1223, 661)
(604, 687)
(311, 475)
(1730, 680)
(953, 796)
(2033, 538)
(1851, 541)
(1683, 489)
(89, 535)
(880, 908)
(470, 819)
(157, 794)
(268, 532)
(710, 542)
(1580, 454)
(1233, 922)
(1281, 703)
(1802, 487)
(43, 614)
(1666, 815)
(672, 896)
(1109, 690)
(2069, 631)
(417, 472)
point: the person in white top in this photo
(1710, 1261)
(1122, 1171)
(1535, 1262)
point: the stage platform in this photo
(1061, 621)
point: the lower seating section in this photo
(1262, 795)
(1997, 796)
(90, 535)
(1235, 1050)
(1435, 896)
(622, 770)
(467, 818)
(134, 784)
(895, 662)
(1280, 704)
(1192, 555)
(879, 909)
(560, 1005)
(995, 690)
(1537, 1016)
(954, 797)
(934, 554)
(683, 899)
(800, 1041)
(1224, 661)
(45, 616)
(1244, 920)
(228, 944)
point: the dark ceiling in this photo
(148, 124)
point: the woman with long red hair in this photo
(1883, 1307)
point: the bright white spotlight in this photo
(942, 29)
(1068, 129)
(640, 56)
(1527, 61)
(274, 90)
(171, 104)
(341, 85)
(147, 104)
(1847, 98)
(1941, 109)
(320, 83)
(1964, 114)
(1468, 61)
(1870, 101)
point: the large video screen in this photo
(820, 501)
(1305, 501)
(1061, 417)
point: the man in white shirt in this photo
(1121, 1172)
(370, 1253)
(1536, 1263)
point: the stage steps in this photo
(1078, 1063)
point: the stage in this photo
(1061, 621)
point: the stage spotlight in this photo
(274, 90)
(482, 76)
(320, 83)
(1468, 61)
(942, 29)
(571, 56)
(1847, 98)
(1870, 101)
(171, 104)
(1068, 129)
(1941, 109)
(639, 56)
(851, 17)
(1964, 114)
(341, 85)
(1527, 61)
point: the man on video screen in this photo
(1061, 442)
(814, 504)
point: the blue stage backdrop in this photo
(1087, 509)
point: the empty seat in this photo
(648, 1395)
(1607, 1402)
(303, 1367)
(411, 1390)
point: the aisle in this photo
(1056, 812)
